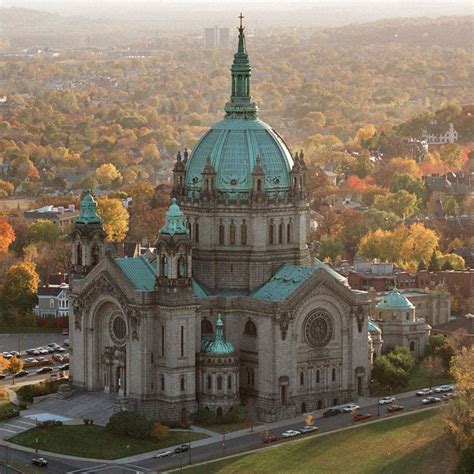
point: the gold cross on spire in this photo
(241, 17)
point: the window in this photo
(151, 358)
(301, 378)
(412, 346)
(249, 379)
(250, 328)
(243, 234)
(206, 327)
(280, 233)
(51, 302)
(182, 341)
(190, 230)
(182, 383)
(164, 266)
(209, 382)
(232, 234)
(219, 382)
(288, 233)
(79, 253)
(408, 316)
(162, 382)
(181, 267)
(270, 234)
(196, 232)
(221, 234)
(333, 375)
(162, 341)
(95, 255)
(318, 376)
(229, 382)
(253, 378)
(259, 185)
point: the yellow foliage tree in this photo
(15, 365)
(364, 133)
(107, 174)
(115, 218)
(3, 367)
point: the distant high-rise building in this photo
(216, 37)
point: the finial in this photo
(241, 17)
(186, 154)
(178, 156)
(296, 156)
(173, 201)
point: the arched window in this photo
(280, 233)
(333, 375)
(79, 253)
(164, 266)
(181, 383)
(249, 377)
(412, 346)
(253, 377)
(303, 407)
(209, 382)
(232, 234)
(318, 376)
(219, 382)
(219, 412)
(95, 255)
(408, 316)
(243, 234)
(162, 382)
(250, 328)
(221, 234)
(259, 185)
(301, 378)
(271, 232)
(320, 404)
(196, 232)
(181, 267)
(190, 230)
(206, 327)
(229, 382)
(288, 233)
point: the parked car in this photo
(44, 370)
(60, 349)
(163, 454)
(394, 408)
(182, 448)
(57, 358)
(386, 400)
(2, 376)
(15, 353)
(22, 373)
(6, 355)
(35, 352)
(447, 396)
(350, 408)
(41, 462)
(53, 344)
(424, 392)
(66, 332)
(429, 400)
(290, 433)
(362, 416)
(270, 438)
(441, 389)
(43, 351)
(64, 367)
(332, 412)
(308, 429)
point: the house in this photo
(439, 134)
(53, 301)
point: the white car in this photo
(430, 400)
(309, 429)
(43, 352)
(163, 454)
(386, 400)
(290, 433)
(444, 388)
(350, 407)
(424, 392)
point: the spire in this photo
(174, 220)
(219, 336)
(240, 104)
(88, 208)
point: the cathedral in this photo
(228, 307)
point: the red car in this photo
(270, 438)
(394, 408)
(362, 416)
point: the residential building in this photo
(63, 217)
(53, 301)
(439, 134)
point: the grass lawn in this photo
(226, 427)
(95, 441)
(409, 444)
(419, 378)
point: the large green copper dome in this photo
(231, 146)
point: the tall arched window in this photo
(95, 255)
(79, 253)
(229, 382)
(412, 346)
(221, 234)
(250, 328)
(301, 378)
(243, 234)
(190, 230)
(219, 382)
(232, 234)
(271, 232)
(249, 377)
(318, 376)
(333, 375)
(182, 383)
(181, 267)
(288, 233)
(280, 233)
(206, 327)
(253, 377)
(162, 382)
(164, 266)
(259, 185)
(209, 382)
(196, 232)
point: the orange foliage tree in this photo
(7, 235)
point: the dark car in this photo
(271, 438)
(64, 367)
(182, 448)
(332, 412)
(362, 416)
(39, 462)
(2, 376)
(394, 408)
(22, 373)
(44, 370)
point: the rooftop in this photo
(396, 301)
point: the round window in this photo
(118, 328)
(318, 329)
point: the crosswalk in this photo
(15, 426)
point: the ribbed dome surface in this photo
(395, 300)
(233, 145)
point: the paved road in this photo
(217, 449)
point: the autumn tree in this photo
(43, 231)
(402, 203)
(3, 368)
(15, 365)
(434, 366)
(7, 235)
(386, 172)
(108, 175)
(115, 218)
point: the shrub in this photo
(49, 423)
(130, 424)
(161, 431)
(27, 392)
(466, 462)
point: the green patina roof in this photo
(395, 300)
(174, 220)
(139, 271)
(373, 327)
(234, 143)
(290, 277)
(88, 211)
(217, 345)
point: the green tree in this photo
(402, 203)
(433, 266)
(127, 423)
(401, 358)
(451, 154)
(43, 231)
(330, 249)
(388, 375)
(409, 183)
(441, 347)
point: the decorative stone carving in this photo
(359, 313)
(77, 307)
(108, 355)
(284, 321)
(133, 314)
(318, 329)
(102, 286)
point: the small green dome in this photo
(88, 210)
(394, 300)
(217, 345)
(174, 220)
